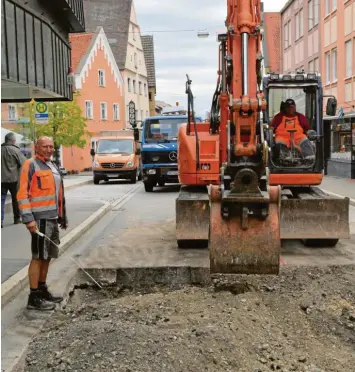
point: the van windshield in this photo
(163, 130)
(115, 146)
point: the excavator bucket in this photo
(255, 250)
(309, 213)
(192, 217)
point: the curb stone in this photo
(12, 286)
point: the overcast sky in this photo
(181, 53)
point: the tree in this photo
(66, 124)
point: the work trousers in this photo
(12, 187)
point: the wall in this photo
(152, 111)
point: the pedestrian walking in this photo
(42, 206)
(11, 162)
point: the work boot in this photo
(37, 302)
(48, 296)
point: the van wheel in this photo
(96, 181)
(148, 187)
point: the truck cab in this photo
(159, 164)
(116, 155)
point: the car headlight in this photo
(129, 163)
(95, 164)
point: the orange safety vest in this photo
(282, 131)
(36, 195)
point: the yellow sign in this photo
(41, 107)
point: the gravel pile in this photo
(303, 320)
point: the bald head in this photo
(45, 147)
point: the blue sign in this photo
(340, 113)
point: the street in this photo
(138, 231)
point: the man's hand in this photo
(32, 226)
(63, 226)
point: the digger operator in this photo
(290, 121)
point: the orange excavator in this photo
(235, 197)
(225, 201)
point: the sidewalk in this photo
(340, 186)
(69, 183)
(15, 239)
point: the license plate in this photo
(112, 175)
(173, 173)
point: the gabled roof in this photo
(148, 49)
(82, 57)
(79, 44)
(114, 16)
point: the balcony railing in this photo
(33, 53)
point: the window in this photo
(334, 64)
(311, 66)
(116, 111)
(142, 115)
(140, 88)
(334, 5)
(145, 90)
(327, 68)
(135, 60)
(150, 96)
(301, 22)
(129, 84)
(101, 78)
(348, 59)
(103, 106)
(89, 110)
(146, 114)
(136, 114)
(134, 33)
(327, 7)
(316, 12)
(12, 112)
(289, 33)
(316, 64)
(297, 26)
(310, 14)
(134, 86)
(286, 35)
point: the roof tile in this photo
(148, 49)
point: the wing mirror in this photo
(136, 134)
(138, 151)
(331, 106)
(92, 152)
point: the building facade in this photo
(148, 49)
(338, 71)
(319, 35)
(123, 32)
(35, 52)
(100, 89)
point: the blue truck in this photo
(159, 164)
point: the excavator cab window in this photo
(293, 116)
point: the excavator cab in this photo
(306, 212)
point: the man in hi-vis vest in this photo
(42, 207)
(290, 121)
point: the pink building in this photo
(319, 35)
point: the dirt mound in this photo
(303, 320)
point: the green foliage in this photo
(66, 123)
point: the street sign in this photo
(132, 113)
(41, 113)
(340, 113)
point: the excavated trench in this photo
(181, 319)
